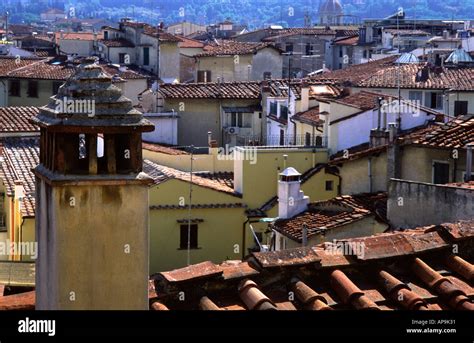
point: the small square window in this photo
(329, 185)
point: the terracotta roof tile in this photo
(389, 281)
(20, 155)
(326, 215)
(16, 119)
(8, 64)
(42, 70)
(154, 31)
(117, 43)
(410, 76)
(355, 73)
(310, 116)
(456, 133)
(190, 43)
(213, 90)
(19, 301)
(161, 174)
(168, 150)
(76, 36)
(347, 41)
(231, 48)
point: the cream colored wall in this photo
(132, 87)
(45, 91)
(211, 163)
(219, 235)
(227, 68)
(199, 116)
(303, 128)
(417, 163)
(169, 60)
(355, 179)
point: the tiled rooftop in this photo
(168, 150)
(219, 182)
(8, 64)
(468, 184)
(412, 270)
(76, 36)
(19, 157)
(53, 69)
(190, 43)
(456, 133)
(405, 32)
(213, 90)
(411, 77)
(356, 73)
(347, 41)
(310, 116)
(228, 47)
(326, 215)
(154, 31)
(117, 43)
(42, 70)
(16, 120)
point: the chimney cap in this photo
(290, 171)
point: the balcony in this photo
(284, 140)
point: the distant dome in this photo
(407, 58)
(331, 7)
(459, 56)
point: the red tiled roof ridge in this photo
(387, 255)
(170, 173)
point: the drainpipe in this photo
(244, 226)
(369, 167)
(467, 176)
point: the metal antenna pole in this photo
(190, 206)
(399, 119)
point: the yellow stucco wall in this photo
(97, 249)
(258, 181)
(219, 233)
(211, 162)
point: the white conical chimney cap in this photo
(290, 171)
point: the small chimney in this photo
(305, 236)
(393, 153)
(467, 176)
(445, 34)
(19, 190)
(304, 96)
(265, 86)
(291, 199)
(392, 132)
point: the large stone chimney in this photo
(291, 199)
(91, 208)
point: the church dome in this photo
(333, 7)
